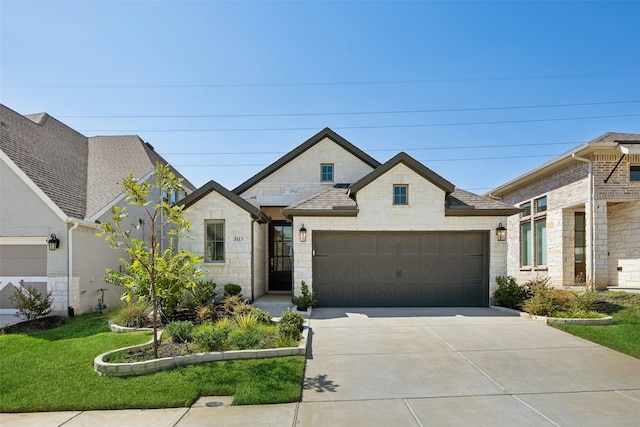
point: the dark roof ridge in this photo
(410, 162)
(324, 133)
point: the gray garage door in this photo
(390, 269)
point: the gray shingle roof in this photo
(332, 201)
(466, 203)
(51, 154)
(81, 175)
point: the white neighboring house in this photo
(358, 232)
(57, 183)
(580, 216)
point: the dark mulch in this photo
(41, 324)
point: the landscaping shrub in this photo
(306, 298)
(246, 321)
(509, 293)
(131, 315)
(231, 289)
(206, 313)
(543, 300)
(213, 338)
(30, 303)
(201, 294)
(262, 316)
(235, 305)
(178, 332)
(244, 339)
(290, 325)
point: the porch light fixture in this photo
(54, 243)
(303, 234)
(501, 233)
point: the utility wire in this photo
(244, 153)
(342, 83)
(343, 113)
(369, 126)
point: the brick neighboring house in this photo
(55, 181)
(358, 232)
(581, 216)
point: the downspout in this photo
(253, 273)
(592, 226)
(70, 311)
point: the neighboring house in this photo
(358, 232)
(55, 182)
(580, 216)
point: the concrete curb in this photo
(150, 366)
(544, 319)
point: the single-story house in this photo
(358, 232)
(580, 218)
(56, 186)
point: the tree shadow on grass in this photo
(319, 384)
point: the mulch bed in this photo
(41, 324)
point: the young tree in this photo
(151, 273)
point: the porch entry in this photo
(280, 256)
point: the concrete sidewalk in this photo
(422, 367)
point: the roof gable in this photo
(325, 133)
(411, 163)
(211, 186)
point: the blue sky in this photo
(480, 92)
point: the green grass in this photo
(53, 371)
(624, 334)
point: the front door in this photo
(280, 256)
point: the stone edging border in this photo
(156, 365)
(544, 319)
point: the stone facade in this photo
(611, 215)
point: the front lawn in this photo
(624, 334)
(53, 371)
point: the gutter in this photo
(70, 311)
(592, 226)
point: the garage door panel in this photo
(406, 269)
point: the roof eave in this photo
(336, 211)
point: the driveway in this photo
(422, 367)
(460, 366)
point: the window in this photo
(533, 233)
(634, 173)
(326, 172)
(215, 241)
(400, 193)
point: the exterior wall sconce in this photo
(303, 234)
(54, 243)
(501, 233)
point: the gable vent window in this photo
(634, 173)
(326, 172)
(400, 194)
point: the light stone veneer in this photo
(425, 212)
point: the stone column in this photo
(599, 276)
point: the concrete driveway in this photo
(464, 366)
(423, 367)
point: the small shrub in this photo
(306, 298)
(543, 300)
(201, 294)
(206, 313)
(290, 325)
(286, 341)
(235, 305)
(244, 339)
(131, 315)
(231, 289)
(179, 332)
(214, 339)
(30, 303)
(509, 293)
(246, 321)
(262, 316)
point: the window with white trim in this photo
(533, 233)
(214, 244)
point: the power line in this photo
(344, 113)
(339, 83)
(369, 126)
(421, 161)
(244, 153)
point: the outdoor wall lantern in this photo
(501, 233)
(303, 234)
(54, 243)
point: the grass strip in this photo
(53, 371)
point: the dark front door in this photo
(280, 256)
(580, 272)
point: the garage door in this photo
(396, 269)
